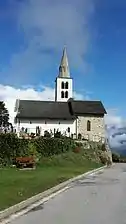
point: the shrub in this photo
(32, 151)
(122, 160)
(57, 134)
(115, 157)
(47, 134)
(11, 147)
(52, 146)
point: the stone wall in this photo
(97, 131)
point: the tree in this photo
(115, 157)
(4, 115)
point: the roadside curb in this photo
(46, 195)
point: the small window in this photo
(45, 122)
(30, 122)
(62, 85)
(62, 94)
(59, 122)
(66, 85)
(88, 125)
(66, 94)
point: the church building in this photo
(77, 118)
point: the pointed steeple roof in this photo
(64, 66)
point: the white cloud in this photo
(113, 119)
(116, 129)
(9, 94)
(48, 26)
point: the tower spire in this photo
(64, 66)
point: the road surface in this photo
(95, 200)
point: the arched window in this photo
(88, 125)
(66, 94)
(66, 85)
(62, 85)
(62, 94)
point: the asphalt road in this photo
(95, 200)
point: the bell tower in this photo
(64, 83)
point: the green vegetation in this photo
(11, 147)
(4, 115)
(118, 158)
(115, 157)
(17, 185)
(57, 159)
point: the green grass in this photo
(16, 185)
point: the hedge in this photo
(11, 147)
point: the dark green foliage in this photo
(11, 147)
(4, 115)
(53, 146)
(115, 157)
(57, 134)
(47, 134)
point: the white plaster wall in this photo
(97, 127)
(49, 125)
(58, 89)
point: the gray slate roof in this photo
(58, 110)
(44, 109)
(87, 107)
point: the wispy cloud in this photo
(47, 26)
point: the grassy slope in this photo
(16, 185)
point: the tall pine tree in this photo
(4, 115)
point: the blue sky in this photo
(34, 32)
